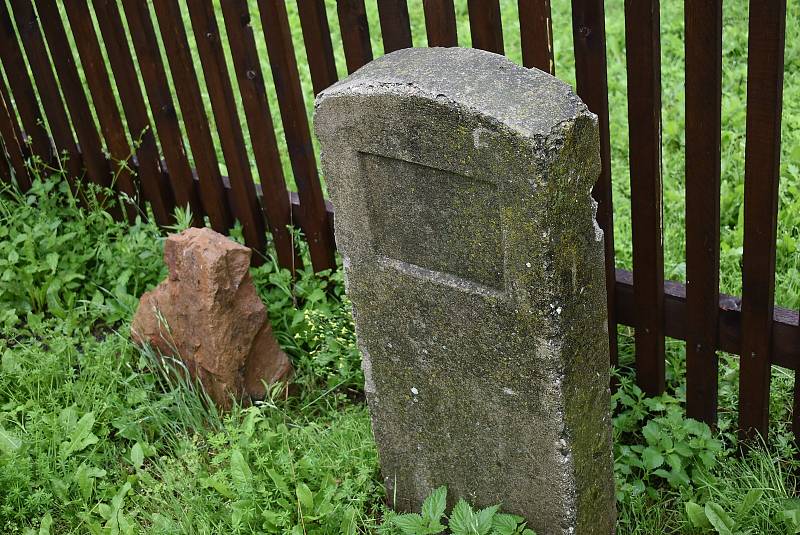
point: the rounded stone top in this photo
(528, 101)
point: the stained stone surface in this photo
(461, 184)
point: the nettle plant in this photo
(669, 449)
(462, 520)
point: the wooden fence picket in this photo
(45, 111)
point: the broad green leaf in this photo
(651, 458)
(116, 520)
(505, 524)
(348, 526)
(280, 483)
(81, 436)
(434, 527)
(484, 519)
(305, 497)
(409, 524)
(52, 261)
(697, 515)
(651, 432)
(240, 470)
(9, 443)
(84, 477)
(249, 424)
(9, 363)
(434, 505)
(723, 523)
(219, 486)
(791, 518)
(750, 500)
(137, 455)
(45, 524)
(462, 518)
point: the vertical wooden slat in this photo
(36, 51)
(22, 88)
(275, 197)
(796, 407)
(209, 46)
(395, 25)
(6, 168)
(91, 147)
(155, 189)
(11, 142)
(162, 106)
(355, 33)
(762, 169)
(440, 22)
(319, 48)
(176, 45)
(485, 25)
(536, 34)
(703, 131)
(15, 125)
(104, 104)
(591, 76)
(644, 111)
(298, 138)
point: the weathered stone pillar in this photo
(461, 184)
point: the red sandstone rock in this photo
(208, 313)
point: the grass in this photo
(94, 437)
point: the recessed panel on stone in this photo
(455, 219)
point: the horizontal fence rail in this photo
(148, 103)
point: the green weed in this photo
(462, 520)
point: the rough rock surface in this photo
(462, 184)
(207, 312)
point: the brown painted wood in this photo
(589, 36)
(703, 131)
(156, 190)
(536, 34)
(395, 25)
(165, 117)
(229, 130)
(796, 403)
(12, 116)
(11, 144)
(47, 85)
(91, 147)
(6, 170)
(22, 89)
(485, 25)
(440, 22)
(319, 48)
(298, 138)
(796, 407)
(644, 112)
(785, 329)
(262, 135)
(105, 105)
(354, 28)
(176, 46)
(762, 170)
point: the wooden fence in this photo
(37, 60)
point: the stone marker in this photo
(208, 312)
(461, 184)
